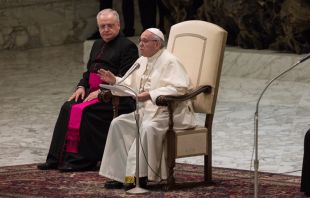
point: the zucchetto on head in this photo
(157, 32)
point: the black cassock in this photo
(116, 56)
(305, 174)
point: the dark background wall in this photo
(28, 24)
(282, 25)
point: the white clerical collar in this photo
(153, 58)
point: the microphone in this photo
(304, 58)
(130, 71)
(256, 161)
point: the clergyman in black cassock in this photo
(116, 53)
(305, 174)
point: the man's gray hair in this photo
(108, 11)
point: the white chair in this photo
(200, 47)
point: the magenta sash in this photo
(94, 81)
(75, 117)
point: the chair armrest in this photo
(105, 96)
(165, 100)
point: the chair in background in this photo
(199, 45)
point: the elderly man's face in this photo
(108, 26)
(148, 44)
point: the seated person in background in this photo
(160, 73)
(81, 129)
(305, 174)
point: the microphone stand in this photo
(256, 161)
(137, 189)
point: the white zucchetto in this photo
(157, 32)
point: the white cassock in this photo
(161, 74)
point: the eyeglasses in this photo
(146, 40)
(108, 26)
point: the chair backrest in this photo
(200, 45)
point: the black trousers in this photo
(105, 4)
(129, 17)
(94, 128)
(305, 174)
(147, 9)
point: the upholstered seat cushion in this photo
(191, 141)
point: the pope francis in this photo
(159, 73)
